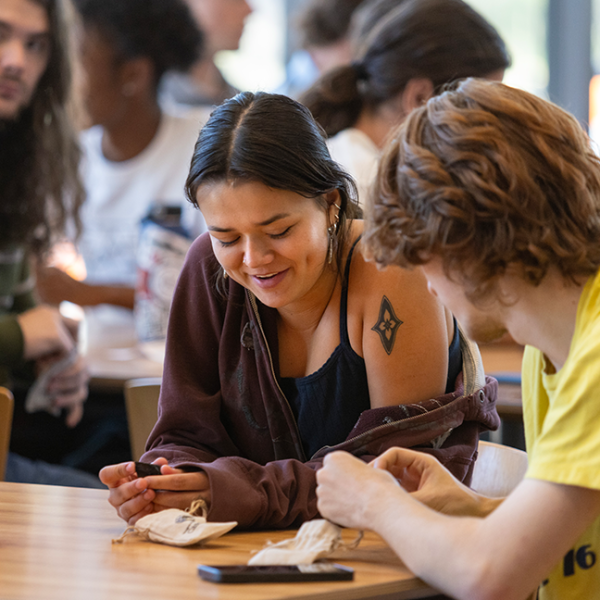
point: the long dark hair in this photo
(273, 140)
(39, 155)
(441, 40)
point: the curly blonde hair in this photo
(485, 177)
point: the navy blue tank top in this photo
(328, 402)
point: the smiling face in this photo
(24, 53)
(482, 325)
(273, 242)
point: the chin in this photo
(485, 333)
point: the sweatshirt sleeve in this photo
(209, 419)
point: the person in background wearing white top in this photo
(135, 155)
(402, 60)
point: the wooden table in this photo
(55, 542)
(109, 344)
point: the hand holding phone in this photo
(319, 571)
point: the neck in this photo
(133, 133)
(304, 316)
(377, 124)
(208, 77)
(545, 317)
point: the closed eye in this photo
(277, 236)
(225, 244)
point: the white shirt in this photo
(120, 195)
(358, 155)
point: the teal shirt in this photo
(16, 296)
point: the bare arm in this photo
(402, 333)
(55, 285)
(504, 556)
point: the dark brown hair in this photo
(273, 140)
(488, 177)
(441, 40)
(324, 22)
(39, 155)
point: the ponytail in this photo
(335, 100)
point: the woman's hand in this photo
(134, 497)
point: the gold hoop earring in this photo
(225, 274)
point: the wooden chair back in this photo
(6, 414)
(141, 403)
(498, 469)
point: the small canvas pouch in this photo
(176, 527)
(315, 540)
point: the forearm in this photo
(446, 552)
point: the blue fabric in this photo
(25, 470)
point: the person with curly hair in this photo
(494, 195)
(405, 51)
(135, 155)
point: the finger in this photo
(148, 510)
(74, 415)
(112, 474)
(181, 500)
(134, 504)
(179, 482)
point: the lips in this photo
(10, 89)
(268, 280)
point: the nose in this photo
(256, 254)
(13, 56)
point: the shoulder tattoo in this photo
(387, 325)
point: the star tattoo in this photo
(387, 325)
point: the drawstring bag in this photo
(176, 527)
(315, 540)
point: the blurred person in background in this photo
(321, 28)
(402, 59)
(136, 155)
(38, 171)
(222, 23)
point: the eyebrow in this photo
(261, 224)
(6, 26)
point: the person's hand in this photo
(69, 389)
(44, 333)
(430, 482)
(349, 490)
(54, 286)
(134, 498)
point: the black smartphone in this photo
(145, 469)
(275, 573)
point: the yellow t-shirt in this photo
(562, 431)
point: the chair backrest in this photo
(6, 413)
(141, 402)
(498, 469)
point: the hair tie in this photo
(360, 71)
